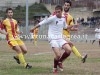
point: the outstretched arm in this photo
(69, 27)
(34, 28)
(46, 21)
(72, 28)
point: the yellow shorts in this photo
(13, 43)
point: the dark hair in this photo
(68, 1)
(59, 7)
(8, 9)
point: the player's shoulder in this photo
(70, 15)
(5, 20)
(14, 20)
(53, 17)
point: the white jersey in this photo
(56, 26)
(97, 35)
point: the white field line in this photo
(42, 53)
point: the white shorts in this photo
(58, 43)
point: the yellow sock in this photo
(76, 52)
(35, 42)
(21, 59)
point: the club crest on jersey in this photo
(56, 22)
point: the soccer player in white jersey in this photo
(56, 24)
(97, 35)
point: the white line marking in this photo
(42, 53)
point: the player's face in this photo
(66, 7)
(58, 13)
(10, 14)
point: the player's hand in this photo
(76, 25)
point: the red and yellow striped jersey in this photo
(11, 28)
(69, 21)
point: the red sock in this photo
(55, 63)
(64, 56)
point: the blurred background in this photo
(86, 11)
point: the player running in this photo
(97, 35)
(10, 26)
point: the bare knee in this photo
(70, 43)
(17, 49)
(24, 51)
(67, 49)
(57, 57)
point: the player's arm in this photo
(75, 26)
(71, 27)
(2, 29)
(37, 26)
(66, 26)
(3, 32)
(45, 21)
(19, 32)
(17, 28)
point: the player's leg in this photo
(22, 46)
(93, 41)
(23, 49)
(21, 57)
(99, 42)
(64, 55)
(76, 52)
(56, 50)
(19, 52)
(56, 59)
(74, 49)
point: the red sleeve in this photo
(1, 26)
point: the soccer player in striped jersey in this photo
(10, 26)
(66, 32)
